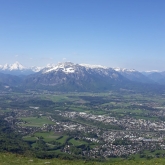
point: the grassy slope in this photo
(12, 159)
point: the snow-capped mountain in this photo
(66, 67)
(18, 69)
(68, 75)
(93, 66)
(15, 66)
(78, 69)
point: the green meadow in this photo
(36, 121)
(13, 159)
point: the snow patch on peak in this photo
(36, 69)
(69, 70)
(18, 69)
(152, 71)
(117, 69)
(124, 70)
(16, 66)
(50, 69)
(66, 67)
(6, 66)
(93, 66)
(49, 65)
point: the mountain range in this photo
(68, 76)
(18, 69)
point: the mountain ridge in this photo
(19, 66)
(77, 77)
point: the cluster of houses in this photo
(127, 123)
(141, 134)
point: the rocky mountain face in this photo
(74, 76)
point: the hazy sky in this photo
(114, 33)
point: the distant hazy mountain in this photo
(7, 79)
(146, 73)
(133, 75)
(158, 77)
(18, 69)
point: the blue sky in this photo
(114, 33)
